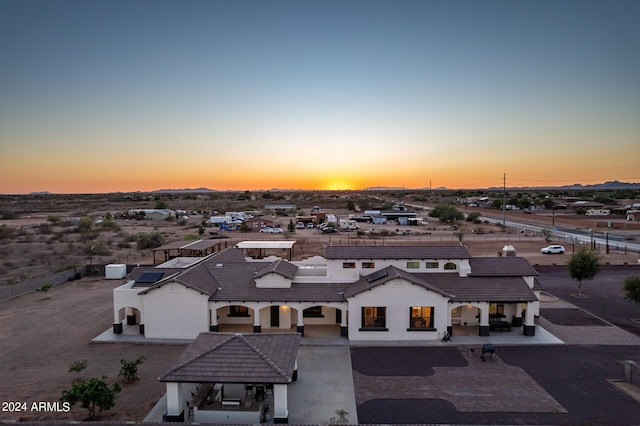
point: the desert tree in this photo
(631, 288)
(583, 265)
(446, 213)
(92, 393)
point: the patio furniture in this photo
(490, 349)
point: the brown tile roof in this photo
(396, 252)
(280, 267)
(478, 289)
(382, 276)
(507, 266)
(237, 358)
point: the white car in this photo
(276, 230)
(554, 249)
(266, 229)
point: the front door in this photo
(275, 316)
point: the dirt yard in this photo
(42, 334)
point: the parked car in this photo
(276, 230)
(553, 249)
(328, 229)
(300, 225)
(310, 225)
(266, 229)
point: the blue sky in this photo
(124, 95)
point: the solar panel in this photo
(375, 276)
(150, 277)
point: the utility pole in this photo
(504, 200)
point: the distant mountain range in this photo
(576, 186)
(606, 185)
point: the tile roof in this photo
(506, 266)
(477, 289)
(396, 252)
(237, 358)
(367, 282)
(280, 267)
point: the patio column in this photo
(117, 320)
(517, 316)
(257, 328)
(300, 327)
(213, 319)
(141, 324)
(529, 328)
(280, 408)
(483, 327)
(175, 402)
(344, 326)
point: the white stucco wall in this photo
(336, 272)
(175, 311)
(397, 296)
(124, 297)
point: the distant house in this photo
(360, 292)
(157, 214)
(257, 223)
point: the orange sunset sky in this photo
(134, 95)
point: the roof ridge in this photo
(195, 357)
(262, 355)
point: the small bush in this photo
(129, 369)
(78, 365)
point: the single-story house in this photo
(359, 292)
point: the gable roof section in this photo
(237, 358)
(385, 275)
(396, 252)
(507, 266)
(280, 267)
(481, 289)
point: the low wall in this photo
(33, 284)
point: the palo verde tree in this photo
(92, 393)
(631, 288)
(583, 265)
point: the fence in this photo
(33, 284)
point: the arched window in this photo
(450, 266)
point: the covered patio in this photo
(233, 378)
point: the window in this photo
(496, 310)
(368, 265)
(431, 265)
(313, 312)
(450, 266)
(374, 317)
(238, 311)
(348, 265)
(421, 317)
(456, 312)
(413, 265)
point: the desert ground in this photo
(43, 333)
